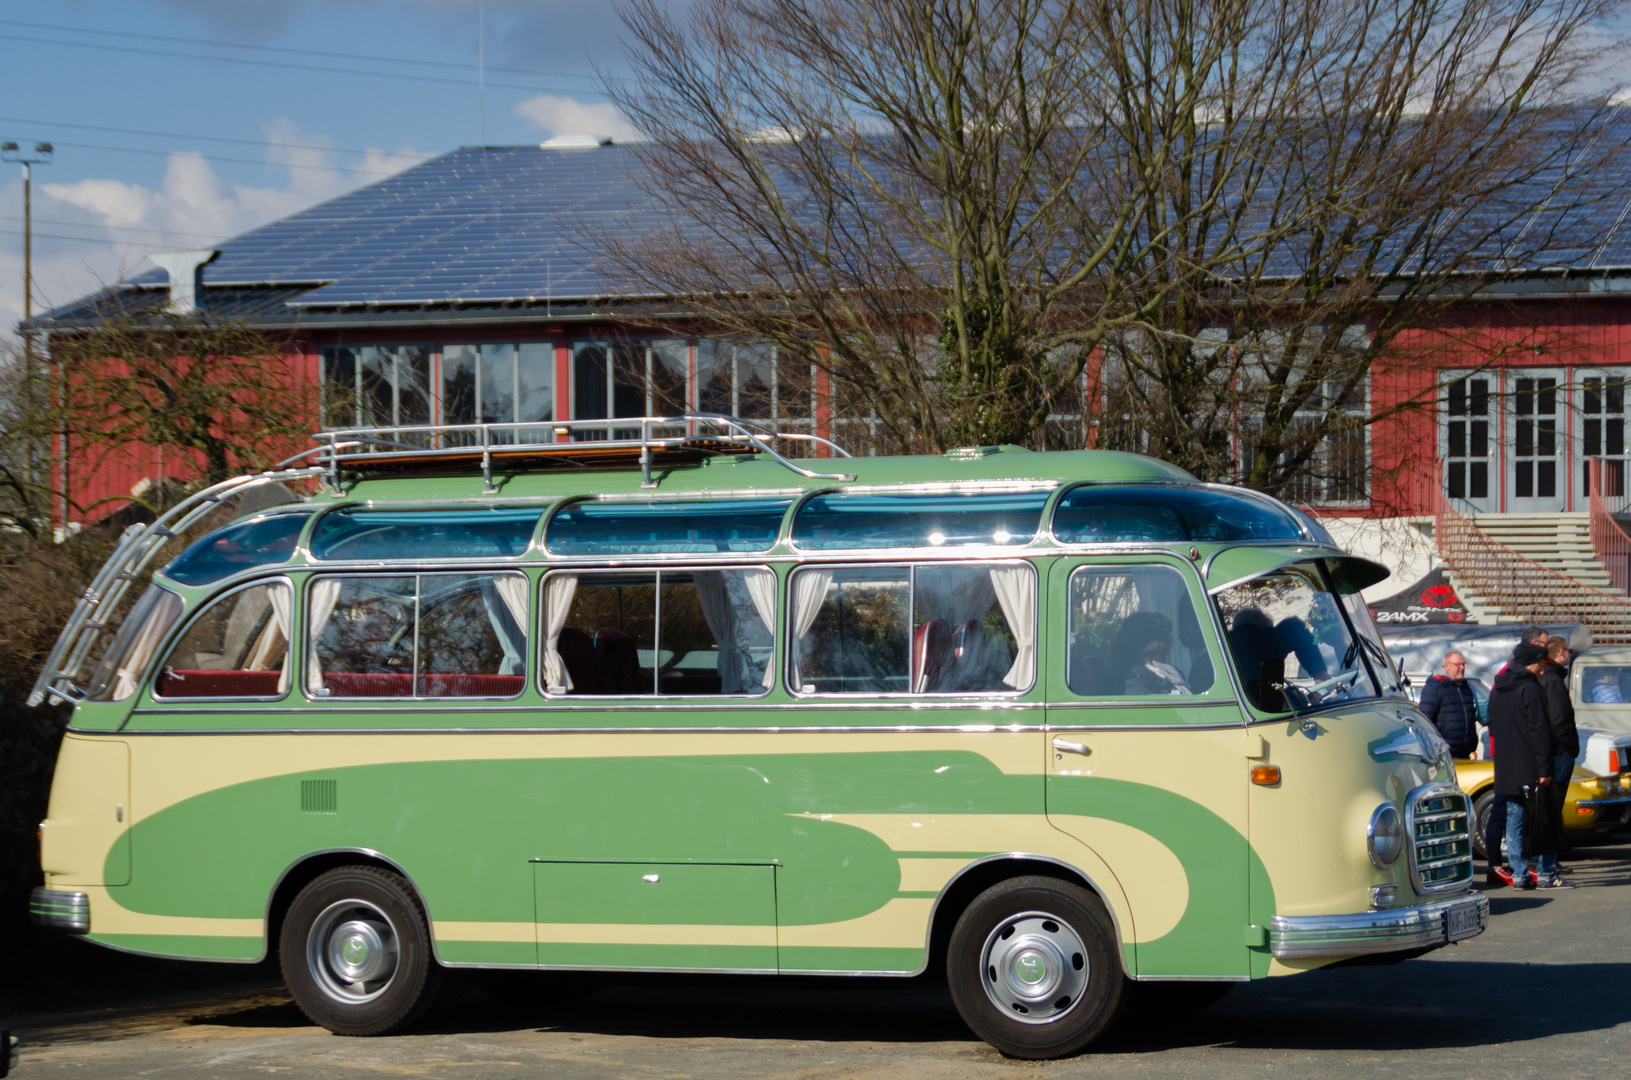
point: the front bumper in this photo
(69, 911)
(1610, 811)
(1394, 930)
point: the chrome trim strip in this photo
(671, 970)
(955, 729)
(69, 912)
(172, 956)
(1621, 800)
(1193, 978)
(1364, 933)
(1224, 726)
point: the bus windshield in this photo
(1290, 643)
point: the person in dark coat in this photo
(1447, 701)
(1495, 827)
(1524, 753)
(1554, 685)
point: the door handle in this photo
(1070, 747)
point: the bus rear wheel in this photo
(1033, 968)
(356, 952)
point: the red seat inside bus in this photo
(435, 684)
(191, 682)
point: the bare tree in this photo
(959, 208)
(225, 394)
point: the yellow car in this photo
(1595, 804)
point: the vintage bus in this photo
(1073, 728)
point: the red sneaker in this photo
(1498, 876)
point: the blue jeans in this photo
(1562, 769)
(1514, 835)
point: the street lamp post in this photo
(40, 155)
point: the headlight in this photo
(1384, 836)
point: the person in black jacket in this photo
(1554, 685)
(1495, 826)
(1524, 753)
(1447, 701)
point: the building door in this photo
(1537, 438)
(1602, 429)
(1468, 444)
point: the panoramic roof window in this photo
(1162, 514)
(488, 533)
(915, 520)
(239, 546)
(652, 528)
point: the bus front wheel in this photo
(356, 952)
(1033, 967)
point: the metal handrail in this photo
(445, 440)
(1609, 541)
(1526, 590)
(134, 552)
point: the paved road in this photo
(1546, 991)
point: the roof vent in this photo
(184, 268)
(575, 141)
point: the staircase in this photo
(1532, 568)
(1558, 540)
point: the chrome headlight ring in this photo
(1384, 836)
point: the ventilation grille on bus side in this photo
(319, 796)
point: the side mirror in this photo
(1271, 686)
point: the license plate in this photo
(1462, 921)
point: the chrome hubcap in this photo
(352, 951)
(1034, 967)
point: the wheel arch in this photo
(306, 869)
(981, 874)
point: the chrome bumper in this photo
(1617, 800)
(69, 911)
(1437, 923)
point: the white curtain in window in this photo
(494, 597)
(273, 643)
(324, 594)
(146, 644)
(809, 591)
(558, 593)
(761, 585)
(1015, 587)
(1162, 590)
(720, 614)
(956, 594)
(513, 590)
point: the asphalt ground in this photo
(1545, 991)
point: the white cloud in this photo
(566, 116)
(192, 207)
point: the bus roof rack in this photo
(623, 442)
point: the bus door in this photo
(1145, 760)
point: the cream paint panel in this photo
(169, 769)
(107, 917)
(90, 792)
(1147, 869)
(1208, 765)
(1031, 834)
(900, 924)
(1309, 831)
(928, 875)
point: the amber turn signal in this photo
(1267, 775)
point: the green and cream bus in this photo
(669, 699)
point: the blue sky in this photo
(310, 110)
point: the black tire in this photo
(1053, 930)
(1158, 999)
(1480, 818)
(356, 953)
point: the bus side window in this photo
(472, 635)
(1134, 633)
(361, 635)
(602, 634)
(237, 647)
(851, 630)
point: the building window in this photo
(505, 383)
(377, 386)
(1337, 472)
(752, 380)
(1467, 443)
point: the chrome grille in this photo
(1440, 844)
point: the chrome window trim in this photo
(995, 487)
(896, 729)
(458, 571)
(307, 510)
(1147, 701)
(856, 699)
(152, 681)
(1227, 489)
(646, 700)
(718, 497)
(531, 551)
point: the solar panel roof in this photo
(516, 225)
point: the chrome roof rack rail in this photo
(706, 432)
(133, 553)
